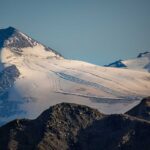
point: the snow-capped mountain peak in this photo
(11, 37)
(34, 77)
(16, 45)
(141, 62)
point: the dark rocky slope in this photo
(56, 128)
(7, 78)
(76, 127)
(117, 64)
(115, 132)
(142, 110)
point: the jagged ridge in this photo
(75, 127)
(118, 64)
(142, 110)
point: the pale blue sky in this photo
(96, 31)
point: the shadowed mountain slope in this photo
(142, 110)
(75, 127)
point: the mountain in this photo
(75, 127)
(142, 110)
(117, 64)
(17, 41)
(41, 77)
(11, 37)
(55, 128)
(141, 63)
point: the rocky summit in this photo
(68, 126)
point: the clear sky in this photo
(96, 31)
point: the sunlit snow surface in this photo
(46, 80)
(142, 63)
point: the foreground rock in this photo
(76, 127)
(142, 110)
(115, 132)
(55, 128)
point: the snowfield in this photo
(47, 79)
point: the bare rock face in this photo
(142, 110)
(56, 128)
(75, 127)
(115, 132)
(7, 77)
(117, 64)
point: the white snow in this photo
(139, 63)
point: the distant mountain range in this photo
(34, 77)
(68, 126)
(142, 62)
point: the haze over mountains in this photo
(34, 77)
